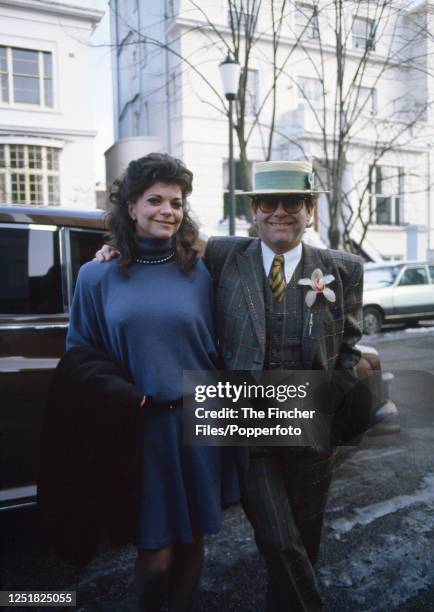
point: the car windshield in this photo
(380, 277)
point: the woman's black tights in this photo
(173, 571)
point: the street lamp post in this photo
(230, 73)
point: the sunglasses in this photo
(291, 204)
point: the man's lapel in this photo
(313, 316)
(251, 272)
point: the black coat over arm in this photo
(89, 462)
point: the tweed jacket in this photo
(330, 330)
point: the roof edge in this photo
(57, 8)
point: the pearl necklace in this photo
(141, 260)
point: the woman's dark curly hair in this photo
(140, 175)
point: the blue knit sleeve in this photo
(87, 314)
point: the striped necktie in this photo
(277, 278)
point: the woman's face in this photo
(158, 212)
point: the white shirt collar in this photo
(292, 259)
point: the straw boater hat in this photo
(274, 177)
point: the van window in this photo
(84, 245)
(29, 271)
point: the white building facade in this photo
(46, 133)
(168, 97)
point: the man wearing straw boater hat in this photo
(282, 304)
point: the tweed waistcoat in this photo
(284, 325)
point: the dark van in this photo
(41, 251)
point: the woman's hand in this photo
(106, 253)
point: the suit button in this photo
(228, 355)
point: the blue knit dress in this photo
(157, 322)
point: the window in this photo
(4, 75)
(252, 92)
(414, 276)
(134, 117)
(136, 122)
(242, 202)
(171, 8)
(310, 90)
(306, 21)
(134, 62)
(239, 18)
(386, 192)
(146, 118)
(30, 271)
(367, 99)
(431, 273)
(3, 197)
(26, 77)
(84, 244)
(29, 175)
(363, 31)
(175, 93)
(143, 52)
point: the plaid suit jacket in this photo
(330, 330)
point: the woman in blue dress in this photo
(151, 310)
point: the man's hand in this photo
(106, 253)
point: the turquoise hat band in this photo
(285, 180)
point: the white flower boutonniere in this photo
(318, 283)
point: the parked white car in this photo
(397, 291)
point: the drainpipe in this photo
(430, 203)
(167, 88)
(118, 87)
(139, 56)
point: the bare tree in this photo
(362, 44)
(244, 37)
(344, 43)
